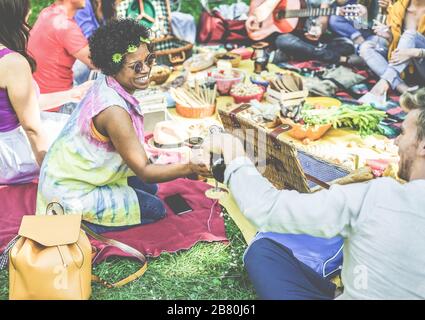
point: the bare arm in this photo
(323, 22)
(265, 9)
(324, 19)
(22, 95)
(116, 123)
(51, 100)
(84, 56)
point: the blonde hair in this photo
(416, 101)
(413, 100)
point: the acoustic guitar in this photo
(284, 16)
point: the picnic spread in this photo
(328, 150)
(338, 137)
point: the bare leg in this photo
(380, 88)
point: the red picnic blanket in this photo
(171, 234)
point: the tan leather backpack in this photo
(51, 259)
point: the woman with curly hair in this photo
(98, 166)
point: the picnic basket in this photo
(279, 160)
(168, 49)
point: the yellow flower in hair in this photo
(131, 48)
(145, 40)
(117, 57)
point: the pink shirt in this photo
(53, 40)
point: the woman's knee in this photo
(138, 184)
(409, 34)
(151, 208)
(366, 48)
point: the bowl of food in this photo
(306, 132)
(234, 58)
(160, 74)
(244, 93)
(225, 80)
(195, 113)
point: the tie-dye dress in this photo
(83, 171)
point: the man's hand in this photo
(400, 56)
(225, 144)
(252, 23)
(314, 33)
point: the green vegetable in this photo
(363, 118)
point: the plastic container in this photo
(225, 83)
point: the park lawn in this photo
(208, 271)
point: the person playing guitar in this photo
(376, 11)
(298, 40)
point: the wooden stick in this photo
(191, 93)
(214, 94)
(203, 94)
(182, 98)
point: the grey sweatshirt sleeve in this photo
(326, 213)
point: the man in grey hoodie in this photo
(382, 223)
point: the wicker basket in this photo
(285, 166)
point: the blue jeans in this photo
(81, 72)
(277, 275)
(296, 46)
(345, 28)
(151, 207)
(374, 51)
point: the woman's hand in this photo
(199, 163)
(314, 33)
(400, 56)
(381, 30)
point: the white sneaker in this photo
(378, 101)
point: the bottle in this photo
(210, 82)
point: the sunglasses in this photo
(139, 65)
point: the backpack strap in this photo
(124, 247)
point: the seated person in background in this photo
(89, 19)
(403, 41)
(56, 42)
(382, 222)
(23, 138)
(304, 44)
(98, 166)
(95, 14)
(346, 28)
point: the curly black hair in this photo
(115, 37)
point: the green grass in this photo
(208, 271)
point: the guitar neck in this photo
(311, 12)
